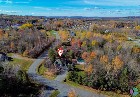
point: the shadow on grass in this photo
(10, 59)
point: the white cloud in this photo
(22, 2)
(10, 2)
(93, 8)
(6, 1)
(43, 8)
(10, 11)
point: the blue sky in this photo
(100, 8)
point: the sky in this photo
(90, 8)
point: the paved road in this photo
(61, 76)
(137, 42)
(55, 84)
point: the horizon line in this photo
(72, 16)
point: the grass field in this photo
(23, 63)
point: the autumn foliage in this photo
(89, 69)
(117, 63)
(64, 35)
(136, 49)
(1, 33)
(27, 25)
(104, 59)
(72, 93)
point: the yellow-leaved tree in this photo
(84, 44)
(83, 35)
(137, 27)
(27, 25)
(64, 35)
(117, 63)
(25, 53)
(94, 42)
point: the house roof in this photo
(72, 34)
(58, 62)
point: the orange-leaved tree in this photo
(89, 35)
(89, 69)
(1, 34)
(72, 93)
(104, 59)
(85, 55)
(92, 55)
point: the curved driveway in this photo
(54, 84)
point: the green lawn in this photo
(10, 54)
(24, 64)
(41, 70)
(79, 66)
(54, 93)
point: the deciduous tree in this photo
(117, 63)
(72, 93)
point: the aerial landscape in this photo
(70, 48)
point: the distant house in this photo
(138, 34)
(66, 43)
(72, 34)
(107, 31)
(74, 61)
(130, 39)
(80, 61)
(3, 56)
(16, 26)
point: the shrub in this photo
(55, 93)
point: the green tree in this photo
(51, 54)
(124, 80)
